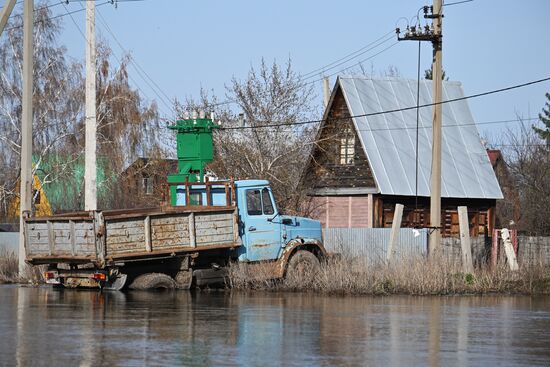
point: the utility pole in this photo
(25, 202)
(433, 34)
(5, 13)
(435, 197)
(90, 170)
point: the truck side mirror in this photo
(287, 221)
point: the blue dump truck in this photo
(192, 243)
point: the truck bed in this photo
(116, 235)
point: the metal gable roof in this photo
(389, 139)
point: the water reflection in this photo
(40, 326)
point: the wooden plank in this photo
(509, 249)
(174, 244)
(208, 193)
(171, 219)
(137, 237)
(51, 237)
(72, 238)
(208, 217)
(236, 237)
(192, 239)
(159, 236)
(124, 232)
(213, 231)
(125, 225)
(179, 227)
(218, 240)
(394, 235)
(214, 225)
(60, 226)
(84, 250)
(370, 211)
(465, 244)
(147, 233)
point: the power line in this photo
(500, 90)
(351, 66)
(55, 16)
(139, 69)
(355, 54)
(116, 57)
(458, 2)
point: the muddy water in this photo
(41, 326)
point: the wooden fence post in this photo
(395, 226)
(465, 244)
(509, 250)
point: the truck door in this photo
(262, 237)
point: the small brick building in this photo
(364, 161)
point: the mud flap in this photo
(117, 284)
(210, 277)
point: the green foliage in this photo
(544, 117)
(469, 279)
(428, 75)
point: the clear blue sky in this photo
(184, 44)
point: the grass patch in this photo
(415, 276)
(9, 270)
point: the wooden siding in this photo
(325, 169)
(480, 214)
(353, 211)
(341, 211)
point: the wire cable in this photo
(477, 95)
(349, 57)
(151, 83)
(351, 66)
(55, 16)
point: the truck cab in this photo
(264, 231)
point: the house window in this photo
(347, 147)
(147, 185)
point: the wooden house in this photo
(366, 159)
(144, 182)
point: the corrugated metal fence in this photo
(372, 243)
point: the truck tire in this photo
(303, 265)
(153, 281)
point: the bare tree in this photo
(57, 95)
(529, 164)
(128, 127)
(266, 144)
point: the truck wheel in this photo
(153, 281)
(303, 265)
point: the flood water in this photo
(42, 326)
